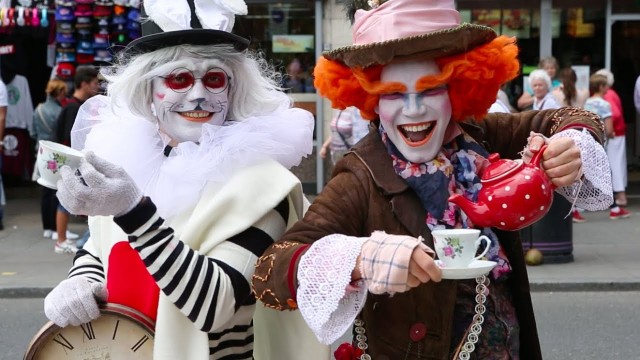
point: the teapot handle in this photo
(537, 157)
(537, 161)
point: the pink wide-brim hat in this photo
(407, 29)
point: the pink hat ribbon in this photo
(397, 19)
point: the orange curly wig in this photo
(473, 79)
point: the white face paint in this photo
(193, 93)
(416, 122)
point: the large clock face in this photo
(119, 333)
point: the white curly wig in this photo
(253, 90)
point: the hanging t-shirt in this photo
(4, 101)
(20, 109)
(17, 159)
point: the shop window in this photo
(285, 34)
(581, 41)
(625, 7)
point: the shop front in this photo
(585, 35)
(287, 33)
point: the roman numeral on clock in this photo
(63, 342)
(139, 344)
(115, 330)
(88, 330)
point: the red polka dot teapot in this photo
(514, 194)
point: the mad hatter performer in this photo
(421, 77)
(186, 183)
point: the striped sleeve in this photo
(88, 265)
(209, 290)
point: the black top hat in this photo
(154, 38)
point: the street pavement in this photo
(606, 252)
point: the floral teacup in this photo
(52, 156)
(456, 248)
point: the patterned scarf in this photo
(455, 169)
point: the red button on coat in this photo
(417, 331)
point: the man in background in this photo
(86, 85)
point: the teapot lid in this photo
(499, 167)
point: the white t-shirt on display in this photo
(20, 109)
(4, 98)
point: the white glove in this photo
(74, 301)
(386, 263)
(100, 188)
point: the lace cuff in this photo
(594, 192)
(324, 272)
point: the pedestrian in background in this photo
(86, 85)
(616, 144)
(550, 66)
(541, 85)
(567, 94)
(347, 128)
(598, 86)
(44, 127)
(501, 105)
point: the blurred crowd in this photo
(22, 128)
(552, 87)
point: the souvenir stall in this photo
(40, 39)
(24, 34)
(91, 31)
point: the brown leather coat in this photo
(365, 194)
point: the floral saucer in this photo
(475, 269)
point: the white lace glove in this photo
(100, 188)
(74, 301)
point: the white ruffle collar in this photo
(175, 183)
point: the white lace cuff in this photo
(324, 272)
(595, 192)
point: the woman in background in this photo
(45, 124)
(550, 66)
(567, 94)
(540, 83)
(347, 128)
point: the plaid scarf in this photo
(455, 169)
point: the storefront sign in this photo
(292, 43)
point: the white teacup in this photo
(52, 156)
(456, 248)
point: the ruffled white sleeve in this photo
(594, 192)
(324, 274)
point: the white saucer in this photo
(475, 269)
(45, 183)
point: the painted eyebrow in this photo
(429, 82)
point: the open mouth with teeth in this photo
(200, 116)
(417, 134)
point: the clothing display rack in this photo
(92, 31)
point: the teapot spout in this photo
(479, 212)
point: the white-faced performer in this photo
(362, 254)
(185, 182)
